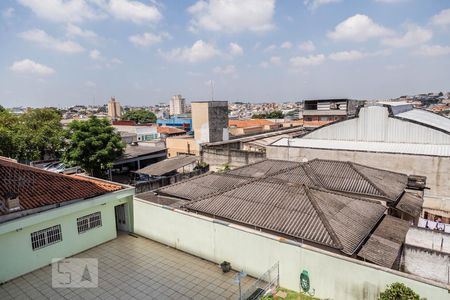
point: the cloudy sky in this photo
(65, 52)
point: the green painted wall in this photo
(332, 276)
(16, 254)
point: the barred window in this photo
(87, 222)
(45, 237)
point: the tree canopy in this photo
(93, 145)
(399, 291)
(140, 116)
(37, 134)
(278, 114)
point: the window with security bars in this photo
(45, 237)
(89, 222)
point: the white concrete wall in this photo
(430, 239)
(426, 263)
(332, 276)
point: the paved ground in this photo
(134, 268)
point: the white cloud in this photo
(147, 39)
(95, 55)
(200, 51)
(347, 55)
(314, 4)
(356, 55)
(226, 70)
(442, 18)
(414, 35)
(307, 46)
(73, 11)
(44, 40)
(76, 31)
(270, 48)
(358, 28)
(8, 12)
(134, 11)
(286, 45)
(116, 61)
(275, 60)
(299, 62)
(232, 16)
(433, 50)
(264, 64)
(27, 66)
(235, 49)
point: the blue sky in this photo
(61, 52)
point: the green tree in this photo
(93, 145)
(278, 114)
(37, 134)
(399, 291)
(140, 116)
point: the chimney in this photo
(12, 202)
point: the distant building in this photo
(210, 121)
(181, 122)
(114, 109)
(321, 112)
(177, 105)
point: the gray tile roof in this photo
(322, 201)
(303, 213)
(201, 186)
(384, 245)
(411, 204)
(263, 168)
(168, 165)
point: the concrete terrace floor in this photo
(135, 268)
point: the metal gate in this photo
(267, 281)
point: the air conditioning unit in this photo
(417, 182)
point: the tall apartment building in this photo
(317, 113)
(210, 121)
(177, 105)
(114, 109)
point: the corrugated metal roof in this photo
(411, 204)
(427, 118)
(169, 165)
(322, 217)
(403, 148)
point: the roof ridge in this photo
(378, 169)
(223, 190)
(346, 194)
(368, 180)
(322, 217)
(309, 171)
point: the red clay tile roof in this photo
(249, 123)
(37, 187)
(169, 130)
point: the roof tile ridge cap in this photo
(378, 169)
(279, 171)
(221, 191)
(368, 180)
(346, 194)
(309, 171)
(322, 217)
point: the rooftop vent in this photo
(417, 182)
(12, 202)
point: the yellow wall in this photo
(176, 145)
